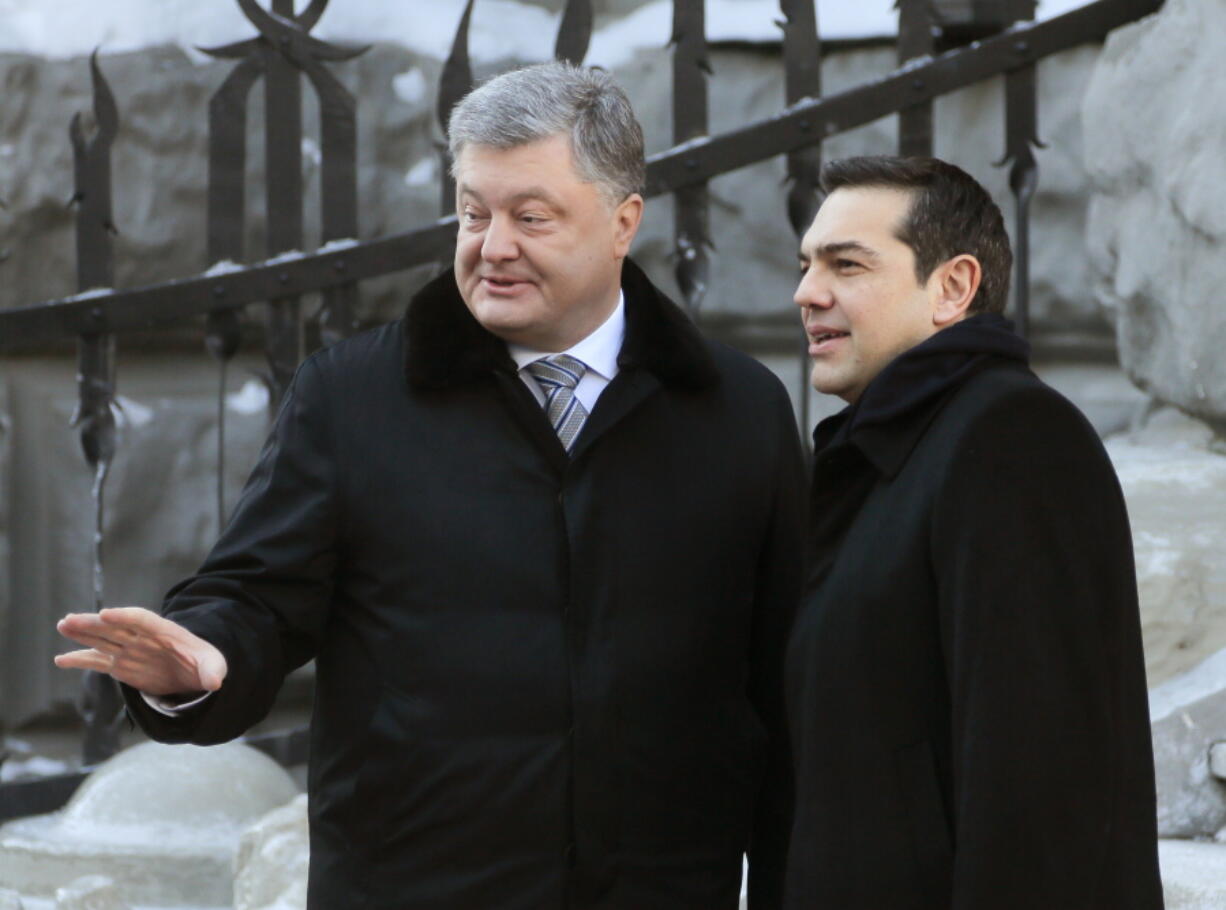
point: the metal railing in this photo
(283, 52)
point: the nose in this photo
(813, 290)
(499, 243)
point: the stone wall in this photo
(1155, 127)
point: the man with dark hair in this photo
(965, 679)
(543, 542)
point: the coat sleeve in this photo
(777, 597)
(262, 595)
(1050, 752)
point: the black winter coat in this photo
(965, 680)
(542, 682)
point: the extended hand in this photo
(144, 650)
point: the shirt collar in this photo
(598, 351)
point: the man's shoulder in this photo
(1011, 410)
(373, 350)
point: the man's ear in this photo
(953, 285)
(626, 219)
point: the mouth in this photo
(503, 284)
(822, 341)
(826, 336)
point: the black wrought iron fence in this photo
(283, 53)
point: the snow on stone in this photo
(410, 86)
(252, 398)
(500, 29)
(34, 766)
(132, 413)
(1203, 680)
(422, 173)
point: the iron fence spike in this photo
(574, 32)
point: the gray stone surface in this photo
(271, 866)
(1158, 214)
(1193, 875)
(1188, 714)
(90, 892)
(1174, 479)
(160, 501)
(10, 900)
(163, 822)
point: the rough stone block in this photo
(1193, 875)
(1188, 715)
(91, 892)
(162, 822)
(271, 866)
(10, 900)
(1157, 220)
(1174, 480)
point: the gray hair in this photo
(547, 99)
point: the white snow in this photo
(410, 86)
(223, 267)
(34, 766)
(422, 173)
(252, 398)
(1203, 680)
(132, 412)
(500, 29)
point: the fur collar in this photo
(445, 346)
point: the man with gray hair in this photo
(541, 539)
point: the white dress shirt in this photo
(598, 352)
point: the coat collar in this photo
(446, 347)
(902, 400)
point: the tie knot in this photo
(560, 370)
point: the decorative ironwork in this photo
(455, 82)
(691, 206)
(916, 21)
(802, 68)
(1021, 138)
(282, 54)
(100, 704)
(801, 125)
(574, 32)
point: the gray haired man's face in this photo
(538, 250)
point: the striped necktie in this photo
(557, 376)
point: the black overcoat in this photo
(542, 682)
(966, 680)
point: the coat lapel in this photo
(445, 347)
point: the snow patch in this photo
(32, 767)
(1203, 680)
(500, 29)
(410, 86)
(252, 398)
(422, 173)
(132, 413)
(223, 267)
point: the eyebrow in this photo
(831, 250)
(531, 194)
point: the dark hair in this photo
(950, 214)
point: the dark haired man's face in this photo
(858, 295)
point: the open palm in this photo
(142, 649)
